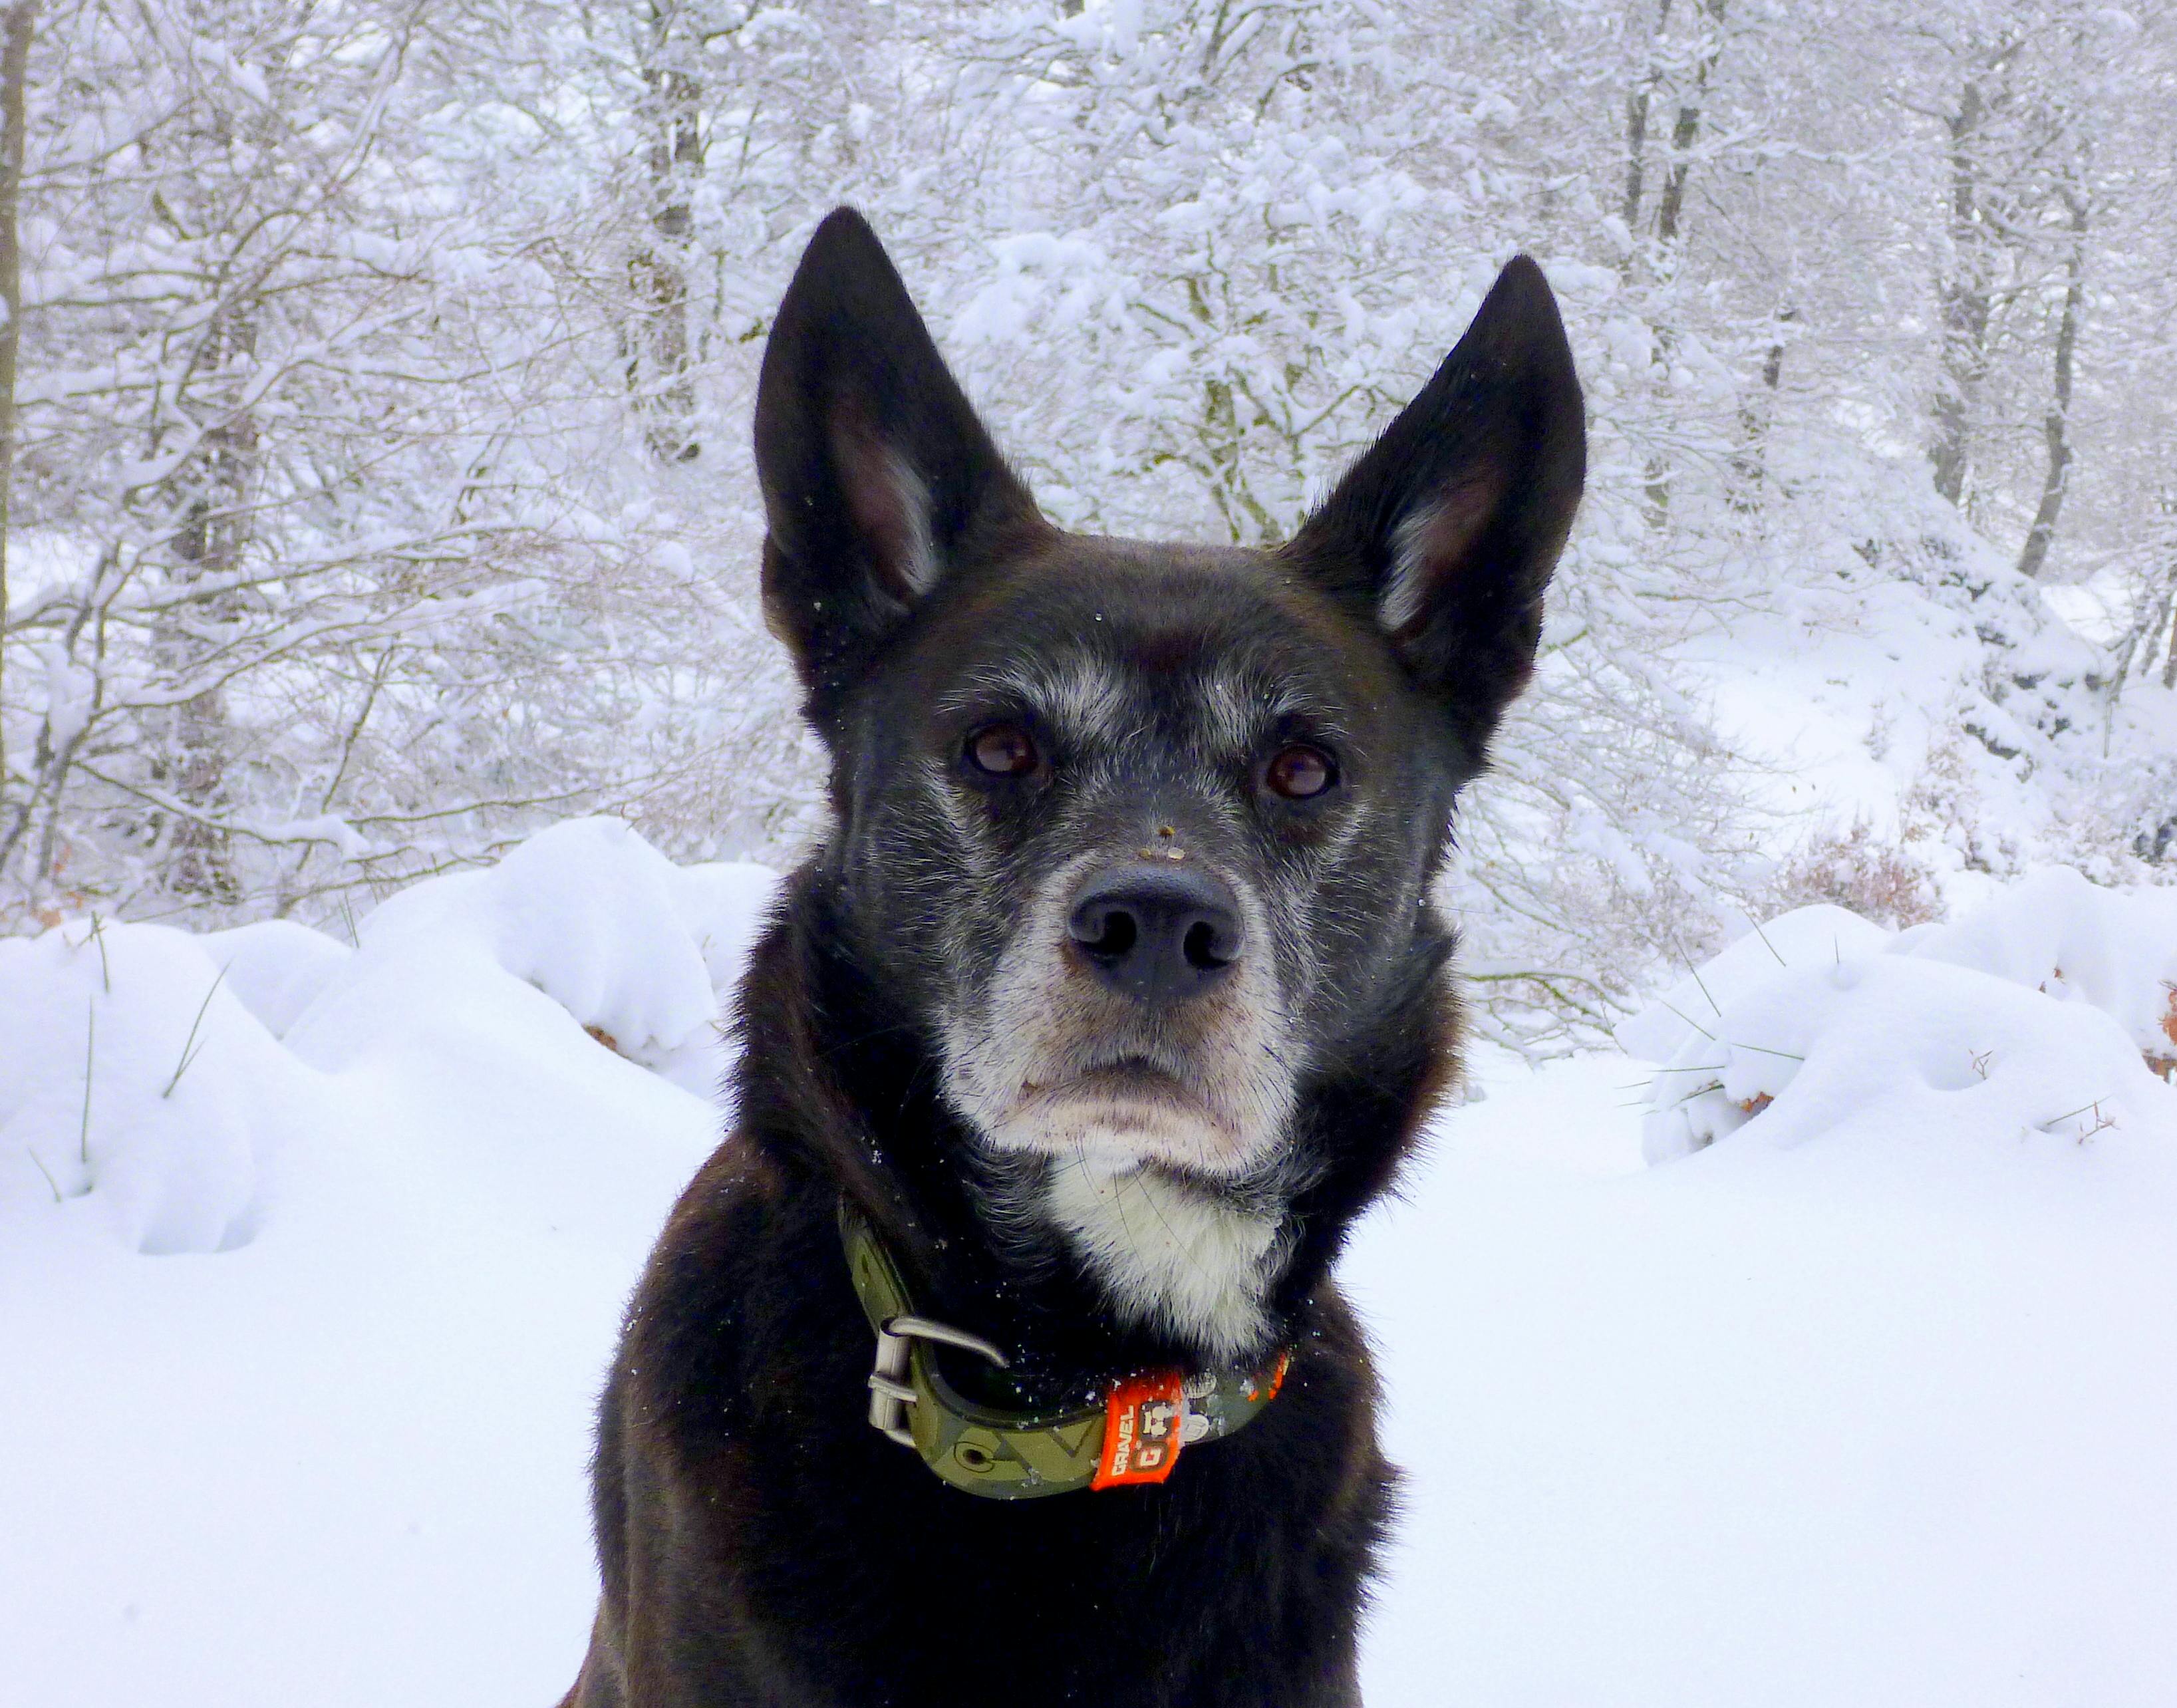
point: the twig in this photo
(187, 1055)
(45, 1172)
(1698, 1091)
(1767, 945)
(2102, 1122)
(90, 1063)
(1694, 973)
(1689, 1019)
(98, 937)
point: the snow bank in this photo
(2077, 942)
(337, 1458)
(154, 1078)
(1878, 1410)
(137, 1087)
(724, 907)
(609, 937)
(276, 968)
(1818, 935)
(2044, 1014)
(584, 912)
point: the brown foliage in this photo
(1877, 880)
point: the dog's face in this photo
(1143, 829)
(1161, 819)
(1143, 833)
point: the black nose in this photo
(1161, 933)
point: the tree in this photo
(381, 484)
(17, 23)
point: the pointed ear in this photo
(877, 477)
(1445, 532)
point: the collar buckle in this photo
(891, 1392)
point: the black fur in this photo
(760, 1544)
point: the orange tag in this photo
(1143, 1422)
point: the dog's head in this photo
(1143, 834)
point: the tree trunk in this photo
(1687, 130)
(16, 24)
(1756, 412)
(214, 526)
(1670, 213)
(1637, 101)
(659, 365)
(2169, 661)
(1965, 294)
(2055, 425)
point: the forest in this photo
(375, 378)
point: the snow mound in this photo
(586, 912)
(1821, 934)
(150, 1078)
(724, 907)
(276, 968)
(135, 1085)
(637, 953)
(2058, 933)
(2041, 1015)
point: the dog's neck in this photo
(1078, 1274)
(1198, 1264)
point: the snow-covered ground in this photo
(1870, 1399)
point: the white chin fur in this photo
(1168, 1255)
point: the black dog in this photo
(1111, 999)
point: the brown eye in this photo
(1300, 773)
(1003, 750)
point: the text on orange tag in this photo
(1143, 1422)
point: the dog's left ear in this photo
(876, 475)
(1445, 532)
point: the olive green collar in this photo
(1135, 1435)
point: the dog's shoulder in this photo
(729, 1273)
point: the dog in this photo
(996, 1356)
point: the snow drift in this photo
(2046, 1012)
(1869, 1397)
(156, 1079)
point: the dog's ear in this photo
(1444, 533)
(876, 475)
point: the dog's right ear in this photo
(877, 477)
(1445, 533)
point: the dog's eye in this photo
(1003, 750)
(1300, 773)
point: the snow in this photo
(1884, 1418)
(1870, 1400)
(2077, 942)
(595, 927)
(1815, 934)
(125, 1062)
(2035, 1015)
(276, 967)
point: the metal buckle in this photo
(890, 1393)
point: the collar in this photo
(1135, 1436)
